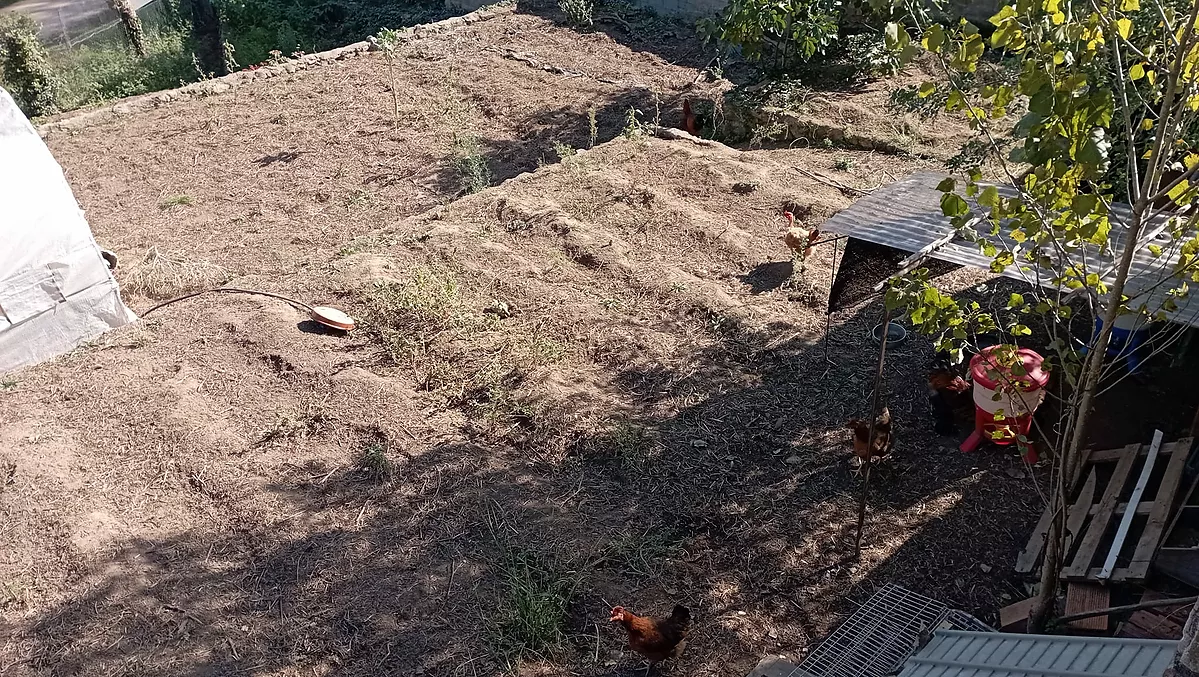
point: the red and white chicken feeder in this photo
(1004, 402)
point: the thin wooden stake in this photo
(878, 387)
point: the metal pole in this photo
(828, 315)
(878, 378)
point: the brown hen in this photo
(656, 639)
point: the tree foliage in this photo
(779, 33)
(25, 67)
(1091, 75)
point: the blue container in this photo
(1126, 343)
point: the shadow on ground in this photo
(741, 507)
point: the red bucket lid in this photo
(983, 363)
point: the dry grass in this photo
(166, 275)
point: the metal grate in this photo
(882, 634)
(960, 620)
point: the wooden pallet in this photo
(1089, 524)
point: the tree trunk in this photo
(132, 25)
(206, 31)
(1186, 657)
(1168, 119)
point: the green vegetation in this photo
(813, 38)
(183, 41)
(532, 613)
(471, 164)
(1093, 76)
(409, 316)
(175, 201)
(389, 41)
(25, 68)
(578, 12)
(537, 589)
(375, 463)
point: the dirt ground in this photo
(605, 371)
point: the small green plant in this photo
(229, 56)
(634, 128)
(359, 198)
(375, 463)
(532, 613)
(844, 164)
(471, 164)
(388, 41)
(25, 66)
(578, 12)
(628, 444)
(826, 143)
(175, 201)
(641, 553)
(592, 127)
(761, 133)
(365, 243)
(8, 384)
(563, 150)
(14, 595)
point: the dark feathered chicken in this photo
(949, 396)
(866, 450)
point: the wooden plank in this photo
(1172, 610)
(1113, 455)
(1134, 500)
(1130, 631)
(1032, 551)
(1152, 535)
(1157, 625)
(1014, 617)
(1076, 516)
(1081, 564)
(1036, 543)
(1084, 597)
(1143, 509)
(1119, 574)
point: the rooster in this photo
(948, 395)
(864, 451)
(689, 119)
(799, 239)
(656, 639)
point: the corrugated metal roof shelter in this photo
(907, 215)
(954, 653)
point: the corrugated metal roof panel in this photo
(907, 214)
(955, 653)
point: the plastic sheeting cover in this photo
(55, 289)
